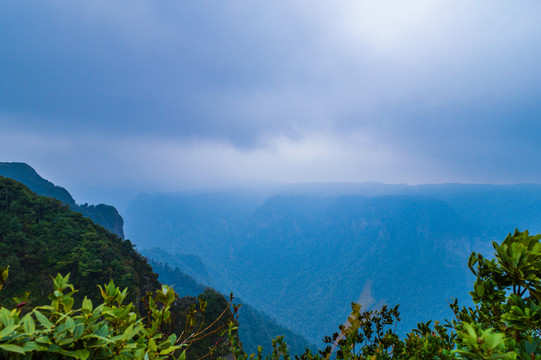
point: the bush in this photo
(111, 330)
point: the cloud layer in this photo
(178, 94)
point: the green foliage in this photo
(40, 237)
(38, 233)
(368, 335)
(506, 322)
(208, 314)
(111, 330)
(105, 215)
(255, 327)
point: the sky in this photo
(110, 97)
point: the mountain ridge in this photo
(105, 215)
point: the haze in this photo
(115, 97)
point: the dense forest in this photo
(257, 327)
(41, 237)
(105, 215)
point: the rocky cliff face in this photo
(104, 215)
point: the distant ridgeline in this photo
(105, 215)
(303, 254)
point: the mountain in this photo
(27, 175)
(186, 263)
(304, 255)
(40, 237)
(105, 215)
(255, 327)
(189, 217)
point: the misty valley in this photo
(270, 180)
(304, 257)
(295, 256)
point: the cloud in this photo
(301, 90)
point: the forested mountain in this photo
(40, 237)
(255, 327)
(186, 263)
(319, 251)
(105, 215)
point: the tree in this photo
(506, 321)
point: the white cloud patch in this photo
(321, 156)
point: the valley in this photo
(304, 257)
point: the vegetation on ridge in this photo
(111, 330)
(255, 327)
(41, 237)
(104, 215)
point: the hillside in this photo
(319, 251)
(105, 215)
(255, 327)
(40, 237)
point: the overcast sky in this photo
(151, 96)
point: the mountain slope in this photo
(318, 253)
(255, 327)
(105, 215)
(40, 237)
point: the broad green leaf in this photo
(12, 348)
(152, 345)
(87, 305)
(8, 330)
(103, 331)
(28, 324)
(70, 322)
(82, 354)
(44, 340)
(6, 317)
(43, 320)
(30, 346)
(78, 331)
